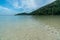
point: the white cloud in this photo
(16, 5)
(24, 4)
(41, 3)
(1, 7)
(29, 3)
(6, 11)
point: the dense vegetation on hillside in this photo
(50, 9)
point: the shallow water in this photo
(29, 27)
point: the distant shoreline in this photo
(34, 14)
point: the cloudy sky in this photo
(10, 7)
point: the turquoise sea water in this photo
(29, 27)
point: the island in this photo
(24, 14)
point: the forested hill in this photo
(50, 9)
